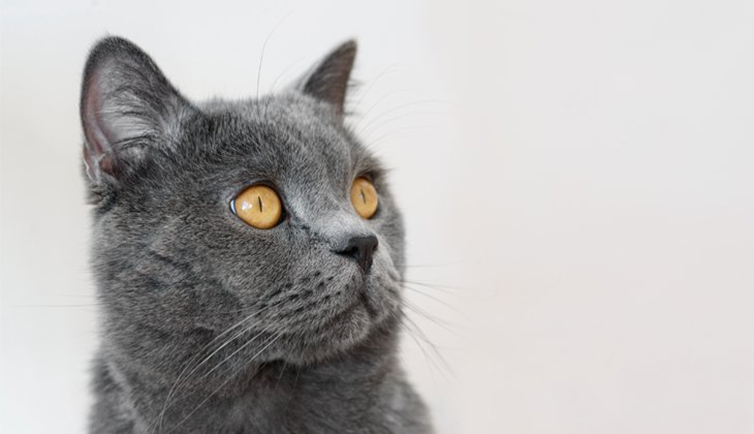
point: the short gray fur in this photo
(208, 324)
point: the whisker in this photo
(374, 144)
(427, 359)
(437, 352)
(365, 115)
(261, 60)
(238, 350)
(224, 383)
(438, 287)
(444, 324)
(282, 371)
(402, 106)
(430, 296)
(198, 354)
(293, 390)
(373, 128)
(374, 81)
(285, 71)
(449, 264)
(264, 47)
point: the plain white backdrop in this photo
(577, 180)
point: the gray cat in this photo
(248, 256)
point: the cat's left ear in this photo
(127, 108)
(328, 80)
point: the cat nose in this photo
(361, 249)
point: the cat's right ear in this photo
(127, 106)
(328, 80)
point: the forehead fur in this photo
(280, 139)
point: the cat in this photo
(248, 257)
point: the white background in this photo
(577, 179)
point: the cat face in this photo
(174, 262)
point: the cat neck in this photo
(267, 396)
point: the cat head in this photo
(179, 255)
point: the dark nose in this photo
(361, 249)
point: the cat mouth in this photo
(363, 299)
(368, 306)
(361, 302)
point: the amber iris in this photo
(364, 197)
(259, 206)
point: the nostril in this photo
(361, 248)
(352, 252)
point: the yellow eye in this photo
(259, 206)
(364, 197)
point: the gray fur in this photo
(314, 345)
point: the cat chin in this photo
(345, 333)
(341, 333)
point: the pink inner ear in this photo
(98, 150)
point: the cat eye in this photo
(364, 197)
(259, 206)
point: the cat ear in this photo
(328, 80)
(127, 106)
